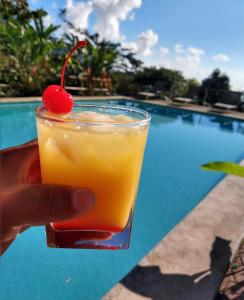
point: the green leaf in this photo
(225, 167)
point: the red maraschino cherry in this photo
(55, 97)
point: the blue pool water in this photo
(171, 185)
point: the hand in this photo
(24, 201)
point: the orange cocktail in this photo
(99, 147)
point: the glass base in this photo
(89, 239)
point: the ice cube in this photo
(60, 147)
(123, 119)
(89, 116)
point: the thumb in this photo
(45, 203)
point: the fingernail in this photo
(83, 200)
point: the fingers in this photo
(32, 175)
(42, 204)
(24, 228)
(31, 142)
(4, 245)
(27, 145)
(17, 165)
(7, 236)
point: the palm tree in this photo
(28, 50)
(104, 58)
(31, 57)
(101, 60)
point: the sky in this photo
(193, 36)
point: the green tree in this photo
(192, 89)
(29, 54)
(192, 83)
(170, 82)
(212, 85)
(123, 83)
(105, 58)
(17, 9)
(107, 54)
(99, 58)
(217, 80)
(31, 57)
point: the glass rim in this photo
(59, 118)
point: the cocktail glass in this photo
(100, 147)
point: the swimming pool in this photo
(171, 185)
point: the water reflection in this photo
(240, 128)
(187, 118)
(162, 115)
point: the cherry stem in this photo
(78, 45)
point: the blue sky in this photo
(194, 36)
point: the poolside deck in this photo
(191, 261)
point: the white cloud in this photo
(197, 70)
(186, 59)
(189, 61)
(195, 51)
(78, 13)
(191, 66)
(146, 41)
(221, 57)
(179, 49)
(143, 44)
(236, 78)
(163, 51)
(109, 15)
(192, 51)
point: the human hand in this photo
(24, 201)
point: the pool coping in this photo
(198, 108)
(39, 98)
(179, 267)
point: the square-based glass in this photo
(103, 153)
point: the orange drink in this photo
(101, 148)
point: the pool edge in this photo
(79, 98)
(188, 107)
(196, 108)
